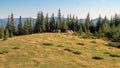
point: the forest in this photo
(104, 28)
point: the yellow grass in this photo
(31, 52)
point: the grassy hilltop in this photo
(54, 50)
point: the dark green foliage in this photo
(30, 26)
(26, 24)
(52, 22)
(47, 24)
(97, 58)
(20, 27)
(47, 44)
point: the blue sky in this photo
(80, 8)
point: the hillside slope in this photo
(54, 50)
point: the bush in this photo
(69, 50)
(77, 52)
(80, 44)
(93, 41)
(16, 48)
(4, 52)
(59, 46)
(114, 55)
(117, 45)
(97, 58)
(47, 44)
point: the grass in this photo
(60, 50)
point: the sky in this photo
(80, 8)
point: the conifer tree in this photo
(20, 27)
(6, 34)
(52, 22)
(26, 23)
(1, 32)
(30, 26)
(47, 24)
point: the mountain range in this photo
(16, 20)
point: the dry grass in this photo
(29, 52)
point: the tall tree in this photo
(47, 24)
(20, 27)
(26, 23)
(98, 24)
(1, 32)
(6, 34)
(64, 25)
(59, 18)
(8, 26)
(30, 26)
(13, 28)
(37, 24)
(52, 22)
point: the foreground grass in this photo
(52, 50)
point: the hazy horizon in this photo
(80, 8)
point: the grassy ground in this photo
(52, 50)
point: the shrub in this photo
(47, 44)
(114, 55)
(16, 48)
(80, 44)
(117, 45)
(77, 52)
(93, 41)
(69, 50)
(59, 46)
(4, 51)
(97, 58)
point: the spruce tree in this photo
(20, 27)
(6, 34)
(47, 24)
(1, 32)
(30, 26)
(26, 23)
(52, 22)
(59, 19)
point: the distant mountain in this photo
(16, 20)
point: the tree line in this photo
(104, 28)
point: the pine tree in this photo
(64, 25)
(26, 23)
(30, 26)
(6, 34)
(42, 23)
(20, 27)
(59, 19)
(52, 22)
(98, 24)
(37, 24)
(13, 27)
(1, 32)
(8, 26)
(47, 23)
